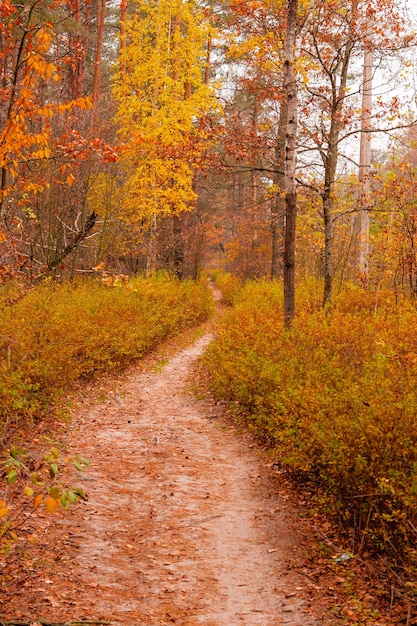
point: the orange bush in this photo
(335, 397)
(56, 334)
(228, 284)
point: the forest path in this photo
(183, 524)
(182, 527)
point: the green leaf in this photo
(16, 452)
(71, 496)
(36, 478)
(12, 462)
(55, 453)
(78, 465)
(53, 470)
(11, 477)
(64, 500)
(80, 493)
(80, 462)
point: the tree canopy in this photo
(160, 129)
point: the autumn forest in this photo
(147, 136)
(267, 147)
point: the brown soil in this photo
(185, 523)
(182, 529)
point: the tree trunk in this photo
(101, 16)
(278, 206)
(9, 106)
(252, 265)
(290, 94)
(150, 238)
(123, 14)
(328, 246)
(207, 67)
(365, 167)
(122, 36)
(330, 167)
(78, 44)
(79, 237)
(178, 246)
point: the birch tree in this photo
(290, 94)
(364, 177)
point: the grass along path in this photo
(182, 526)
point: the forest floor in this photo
(187, 520)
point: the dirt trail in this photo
(190, 534)
(182, 525)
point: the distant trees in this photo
(155, 134)
(330, 85)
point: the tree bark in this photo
(78, 44)
(365, 167)
(178, 260)
(330, 166)
(122, 36)
(290, 94)
(278, 206)
(101, 16)
(207, 67)
(79, 237)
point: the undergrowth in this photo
(228, 284)
(57, 334)
(335, 398)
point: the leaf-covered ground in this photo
(186, 523)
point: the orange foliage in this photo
(335, 398)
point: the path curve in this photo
(182, 525)
(188, 535)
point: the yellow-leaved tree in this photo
(163, 103)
